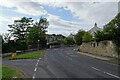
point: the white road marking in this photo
(33, 76)
(35, 69)
(96, 69)
(112, 75)
(69, 53)
(90, 55)
(38, 60)
(36, 64)
(106, 73)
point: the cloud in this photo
(28, 8)
(58, 25)
(5, 21)
(89, 12)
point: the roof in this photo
(94, 29)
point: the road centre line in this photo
(106, 73)
(36, 64)
(96, 69)
(38, 60)
(33, 76)
(35, 69)
(112, 75)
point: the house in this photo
(94, 29)
(50, 37)
(54, 40)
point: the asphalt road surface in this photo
(64, 62)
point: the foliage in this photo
(78, 37)
(25, 33)
(99, 36)
(69, 40)
(19, 31)
(87, 37)
(19, 28)
(37, 33)
(113, 30)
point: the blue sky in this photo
(64, 17)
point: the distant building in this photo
(50, 37)
(54, 37)
(94, 29)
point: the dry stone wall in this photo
(103, 48)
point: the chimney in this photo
(95, 25)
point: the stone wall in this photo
(103, 48)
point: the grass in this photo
(29, 55)
(10, 72)
(0, 71)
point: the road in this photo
(64, 62)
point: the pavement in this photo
(65, 62)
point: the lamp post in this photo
(38, 43)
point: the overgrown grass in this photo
(30, 55)
(0, 71)
(11, 72)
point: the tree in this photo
(37, 33)
(78, 37)
(19, 28)
(113, 30)
(99, 36)
(69, 40)
(19, 31)
(87, 37)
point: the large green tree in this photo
(78, 37)
(87, 37)
(19, 28)
(99, 36)
(37, 33)
(19, 31)
(113, 30)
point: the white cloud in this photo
(31, 9)
(5, 21)
(58, 25)
(28, 8)
(89, 12)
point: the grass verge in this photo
(9, 72)
(29, 55)
(0, 71)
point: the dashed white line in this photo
(106, 73)
(33, 76)
(38, 60)
(112, 75)
(35, 69)
(96, 69)
(36, 64)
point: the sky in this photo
(65, 17)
